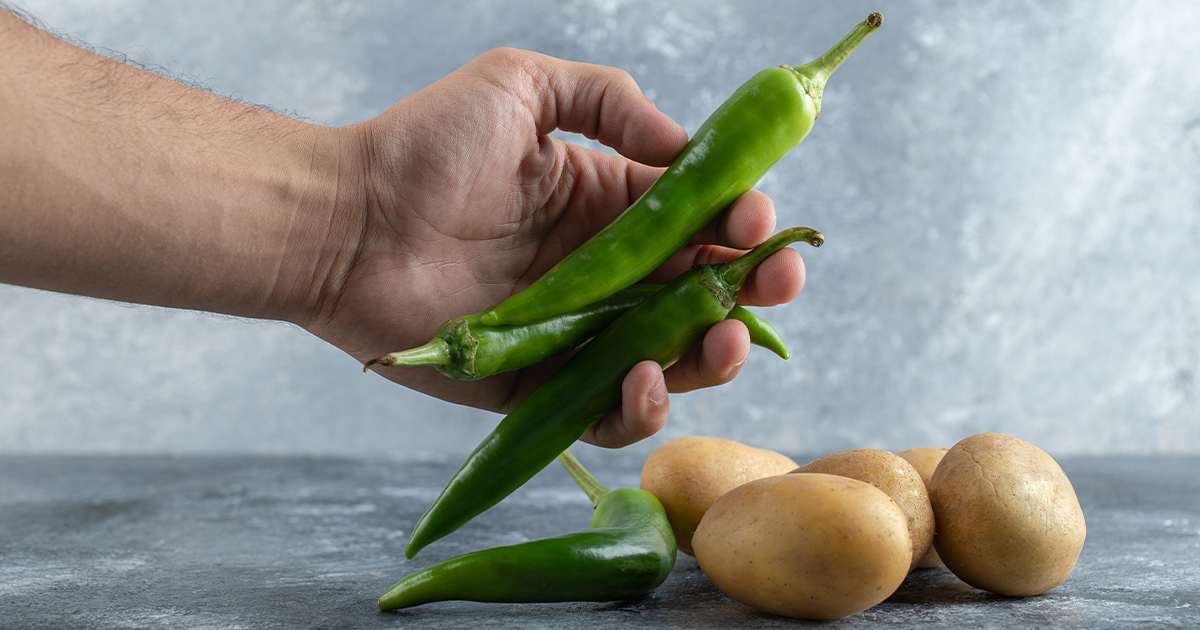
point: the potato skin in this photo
(925, 459)
(1008, 520)
(689, 473)
(810, 546)
(896, 477)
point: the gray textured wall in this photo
(1009, 192)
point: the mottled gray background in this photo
(1009, 190)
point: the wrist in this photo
(324, 233)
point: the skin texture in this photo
(1008, 520)
(925, 459)
(119, 184)
(688, 474)
(896, 478)
(810, 546)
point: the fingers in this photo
(644, 401)
(748, 222)
(714, 361)
(777, 280)
(643, 411)
(599, 102)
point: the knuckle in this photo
(514, 63)
(520, 74)
(622, 77)
(619, 83)
(504, 56)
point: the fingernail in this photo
(659, 393)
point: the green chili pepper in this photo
(662, 328)
(628, 552)
(762, 333)
(764, 119)
(467, 349)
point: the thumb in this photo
(600, 102)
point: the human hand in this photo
(467, 200)
(370, 235)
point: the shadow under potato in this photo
(937, 585)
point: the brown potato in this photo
(1008, 520)
(925, 459)
(896, 477)
(810, 546)
(689, 473)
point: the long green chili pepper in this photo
(761, 122)
(467, 349)
(662, 328)
(628, 552)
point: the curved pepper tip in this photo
(419, 539)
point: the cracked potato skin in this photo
(1008, 520)
(805, 545)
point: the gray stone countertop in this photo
(292, 542)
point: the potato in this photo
(925, 459)
(896, 477)
(808, 545)
(689, 473)
(1008, 520)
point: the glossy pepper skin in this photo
(761, 122)
(466, 349)
(628, 552)
(662, 328)
(762, 333)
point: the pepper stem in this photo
(815, 73)
(736, 270)
(586, 481)
(432, 353)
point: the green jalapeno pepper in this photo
(467, 349)
(762, 121)
(628, 552)
(662, 328)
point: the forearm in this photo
(120, 184)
